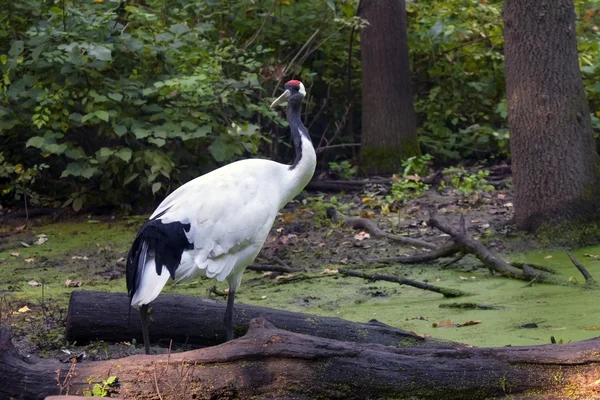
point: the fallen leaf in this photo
(20, 228)
(263, 297)
(562, 328)
(462, 278)
(394, 178)
(475, 221)
(444, 324)
(593, 328)
(279, 230)
(70, 283)
(29, 260)
(41, 240)
(501, 196)
(594, 256)
(548, 257)
(33, 283)
(437, 279)
(366, 199)
(508, 204)
(321, 244)
(362, 236)
(81, 258)
(367, 214)
(23, 309)
(330, 271)
(15, 254)
(267, 273)
(288, 218)
(287, 276)
(415, 178)
(25, 244)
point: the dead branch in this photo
(424, 257)
(403, 281)
(541, 267)
(455, 259)
(582, 269)
(488, 259)
(373, 229)
(272, 268)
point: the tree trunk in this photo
(269, 363)
(193, 320)
(389, 132)
(555, 164)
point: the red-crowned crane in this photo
(216, 224)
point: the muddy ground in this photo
(51, 257)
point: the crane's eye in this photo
(295, 88)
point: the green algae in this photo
(565, 312)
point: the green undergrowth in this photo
(92, 253)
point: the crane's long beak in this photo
(282, 99)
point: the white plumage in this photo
(225, 216)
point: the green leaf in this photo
(16, 48)
(436, 29)
(36, 141)
(124, 154)
(72, 169)
(179, 29)
(111, 380)
(156, 187)
(87, 117)
(141, 133)
(157, 141)
(101, 114)
(120, 130)
(104, 152)
(130, 178)
(77, 204)
(99, 52)
(330, 4)
(115, 96)
(75, 153)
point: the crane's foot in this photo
(229, 317)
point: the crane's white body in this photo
(230, 211)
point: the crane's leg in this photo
(145, 333)
(229, 316)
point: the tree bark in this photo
(554, 161)
(389, 128)
(269, 363)
(188, 319)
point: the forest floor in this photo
(51, 258)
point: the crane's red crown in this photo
(294, 82)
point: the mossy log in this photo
(270, 363)
(104, 316)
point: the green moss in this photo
(578, 233)
(379, 160)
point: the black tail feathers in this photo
(165, 242)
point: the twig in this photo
(419, 257)
(582, 269)
(372, 228)
(403, 281)
(156, 384)
(272, 268)
(262, 25)
(335, 146)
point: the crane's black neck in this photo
(297, 129)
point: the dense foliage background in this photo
(106, 101)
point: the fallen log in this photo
(104, 316)
(270, 363)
